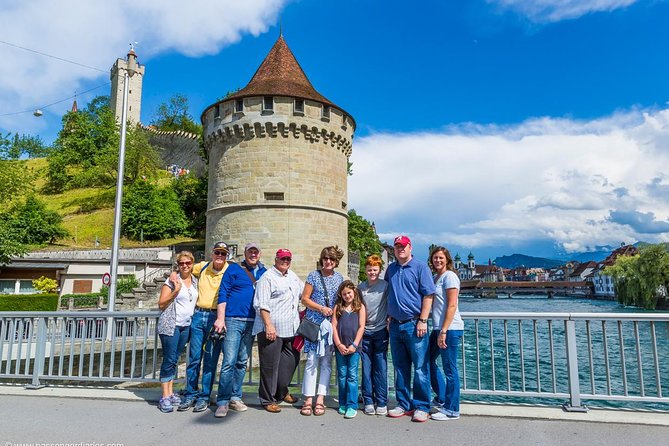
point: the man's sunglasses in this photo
(220, 253)
(285, 259)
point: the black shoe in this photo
(186, 404)
(200, 406)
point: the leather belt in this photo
(204, 309)
(405, 320)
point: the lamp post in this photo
(128, 72)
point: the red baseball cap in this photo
(402, 240)
(283, 253)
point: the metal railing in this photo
(578, 356)
(514, 357)
(79, 346)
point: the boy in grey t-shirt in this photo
(374, 350)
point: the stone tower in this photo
(134, 87)
(278, 163)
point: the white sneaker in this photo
(440, 416)
(238, 405)
(369, 409)
(398, 412)
(383, 410)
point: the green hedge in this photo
(81, 300)
(28, 302)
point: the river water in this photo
(515, 360)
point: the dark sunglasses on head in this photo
(185, 263)
(220, 253)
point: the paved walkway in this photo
(130, 417)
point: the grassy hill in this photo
(88, 213)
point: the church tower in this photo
(278, 165)
(134, 87)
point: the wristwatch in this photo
(422, 320)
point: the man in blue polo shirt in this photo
(410, 293)
(235, 317)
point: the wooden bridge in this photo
(478, 288)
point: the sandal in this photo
(319, 409)
(306, 410)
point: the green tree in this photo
(192, 194)
(174, 115)
(34, 223)
(362, 238)
(86, 151)
(9, 243)
(24, 145)
(152, 212)
(16, 179)
(642, 280)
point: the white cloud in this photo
(96, 33)
(545, 11)
(551, 180)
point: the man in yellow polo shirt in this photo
(202, 349)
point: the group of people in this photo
(220, 306)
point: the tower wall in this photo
(134, 91)
(278, 178)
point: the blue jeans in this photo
(374, 354)
(202, 351)
(449, 360)
(236, 351)
(172, 348)
(437, 381)
(408, 349)
(347, 378)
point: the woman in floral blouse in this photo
(319, 295)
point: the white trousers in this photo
(311, 380)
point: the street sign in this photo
(106, 279)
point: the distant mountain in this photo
(596, 256)
(517, 260)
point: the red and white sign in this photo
(106, 279)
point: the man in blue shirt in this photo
(410, 293)
(235, 317)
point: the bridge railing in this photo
(578, 356)
(79, 346)
(614, 358)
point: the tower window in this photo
(239, 105)
(274, 196)
(268, 103)
(217, 112)
(325, 113)
(298, 107)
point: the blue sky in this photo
(496, 126)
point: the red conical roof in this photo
(280, 74)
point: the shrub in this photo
(45, 285)
(28, 302)
(124, 284)
(81, 300)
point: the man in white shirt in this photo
(277, 317)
